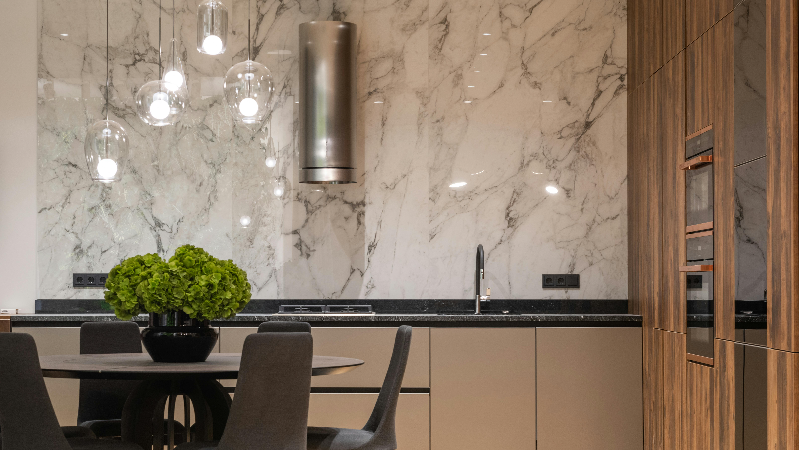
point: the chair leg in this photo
(173, 393)
(187, 419)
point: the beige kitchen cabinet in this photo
(63, 392)
(589, 385)
(372, 345)
(483, 388)
(412, 423)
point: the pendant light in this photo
(160, 102)
(248, 88)
(271, 158)
(106, 143)
(174, 70)
(212, 27)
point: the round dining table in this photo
(143, 414)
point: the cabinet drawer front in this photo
(412, 423)
(372, 345)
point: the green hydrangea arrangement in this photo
(192, 281)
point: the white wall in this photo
(18, 30)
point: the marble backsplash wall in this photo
(507, 96)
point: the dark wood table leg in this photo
(143, 414)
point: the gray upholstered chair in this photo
(284, 327)
(270, 406)
(379, 432)
(27, 418)
(100, 402)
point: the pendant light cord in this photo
(248, 30)
(107, 71)
(160, 75)
(173, 36)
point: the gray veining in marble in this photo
(547, 106)
(751, 229)
(750, 80)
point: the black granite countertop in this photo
(433, 313)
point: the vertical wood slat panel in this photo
(782, 391)
(698, 18)
(673, 28)
(674, 345)
(724, 401)
(651, 203)
(700, 79)
(634, 302)
(653, 388)
(654, 31)
(782, 181)
(724, 258)
(699, 419)
(672, 305)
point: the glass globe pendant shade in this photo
(248, 91)
(161, 103)
(212, 27)
(173, 67)
(278, 187)
(106, 151)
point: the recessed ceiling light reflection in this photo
(458, 184)
(538, 173)
(378, 102)
(64, 34)
(551, 189)
(477, 71)
(244, 221)
(487, 34)
(547, 101)
(484, 54)
(470, 86)
(478, 173)
(467, 101)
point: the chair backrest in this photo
(381, 422)
(270, 405)
(284, 327)
(104, 399)
(27, 418)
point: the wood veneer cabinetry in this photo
(700, 79)
(782, 392)
(782, 180)
(672, 305)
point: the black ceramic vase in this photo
(176, 338)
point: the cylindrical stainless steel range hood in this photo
(328, 102)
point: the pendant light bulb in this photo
(248, 107)
(174, 78)
(212, 27)
(212, 45)
(271, 162)
(107, 168)
(159, 108)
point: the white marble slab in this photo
(401, 232)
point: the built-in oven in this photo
(699, 266)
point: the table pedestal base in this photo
(143, 414)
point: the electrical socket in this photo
(561, 281)
(89, 280)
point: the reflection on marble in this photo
(547, 107)
(750, 226)
(750, 80)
